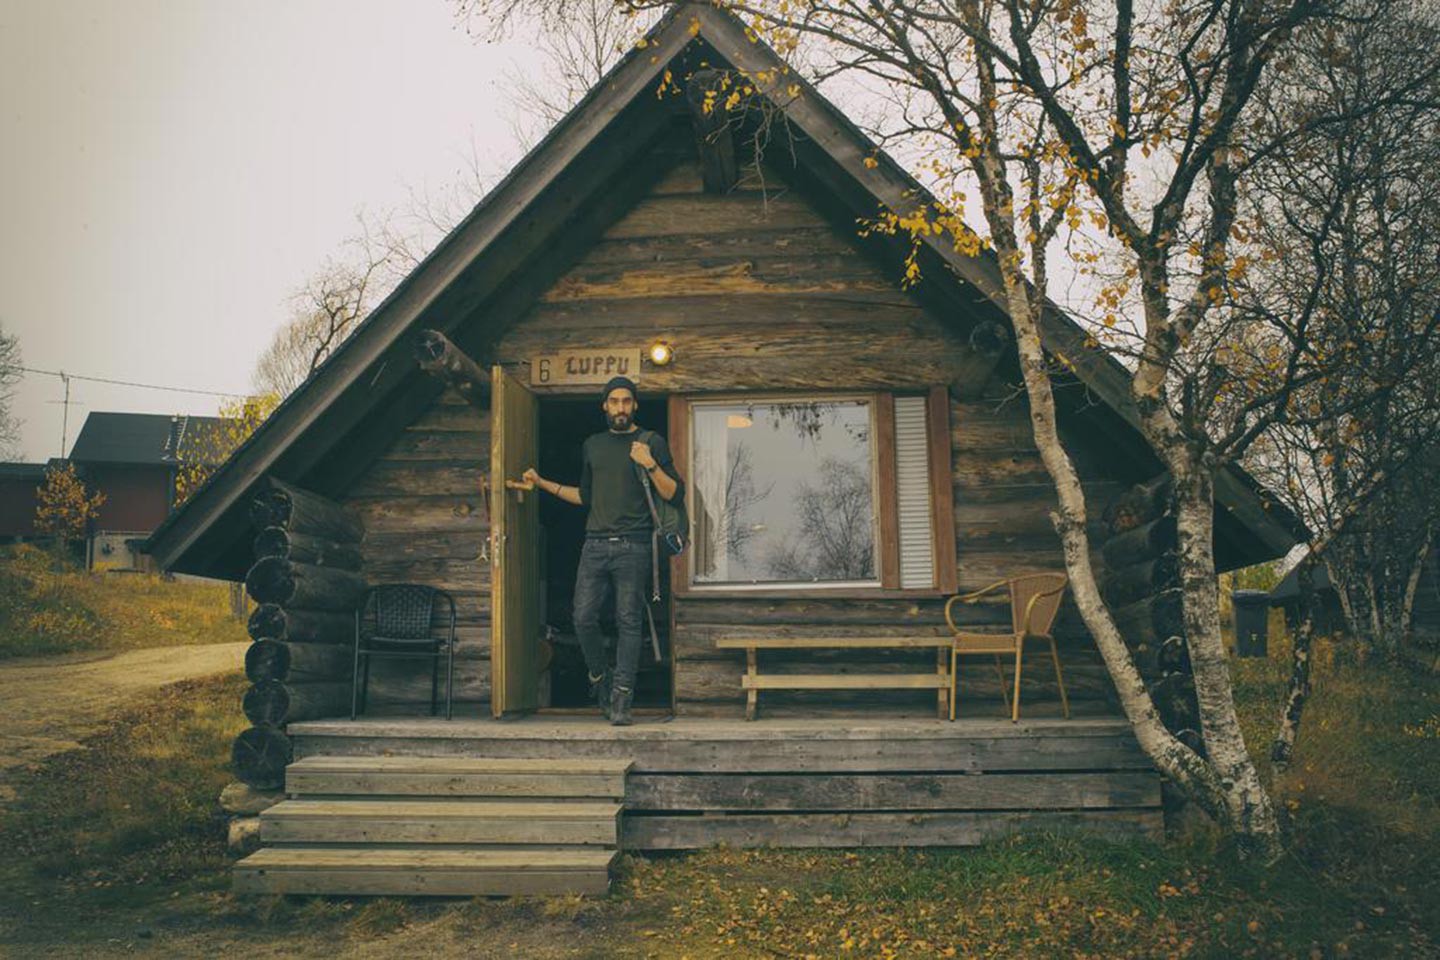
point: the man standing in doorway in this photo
(616, 555)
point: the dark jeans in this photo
(623, 565)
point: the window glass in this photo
(783, 492)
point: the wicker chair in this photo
(399, 616)
(1034, 602)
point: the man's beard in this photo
(619, 422)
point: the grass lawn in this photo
(117, 849)
(45, 608)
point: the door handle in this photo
(519, 486)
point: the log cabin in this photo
(855, 452)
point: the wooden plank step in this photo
(829, 643)
(457, 822)
(892, 791)
(376, 871)
(554, 766)
(910, 828)
(844, 681)
(458, 777)
(595, 730)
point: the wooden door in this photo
(514, 549)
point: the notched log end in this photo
(990, 338)
(429, 349)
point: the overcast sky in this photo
(172, 170)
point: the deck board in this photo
(732, 745)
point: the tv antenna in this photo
(65, 417)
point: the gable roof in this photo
(372, 378)
(144, 439)
(28, 472)
(1289, 586)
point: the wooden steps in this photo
(813, 782)
(440, 826)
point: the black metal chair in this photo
(399, 616)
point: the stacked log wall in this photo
(306, 581)
(426, 521)
(1141, 585)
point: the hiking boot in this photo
(620, 707)
(600, 692)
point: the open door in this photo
(515, 583)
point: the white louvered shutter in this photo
(912, 482)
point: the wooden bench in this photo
(754, 681)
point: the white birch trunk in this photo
(1412, 586)
(1247, 802)
(1282, 748)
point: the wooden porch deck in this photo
(817, 782)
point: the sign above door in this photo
(584, 366)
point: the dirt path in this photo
(47, 704)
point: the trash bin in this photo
(1252, 621)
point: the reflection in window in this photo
(783, 492)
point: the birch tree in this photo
(325, 310)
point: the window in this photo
(784, 492)
(818, 492)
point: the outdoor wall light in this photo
(661, 354)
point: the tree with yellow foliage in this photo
(211, 444)
(64, 507)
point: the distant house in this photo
(18, 485)
(134, 459)
(1330, 617)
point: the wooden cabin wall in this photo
(760, 292)
(425, 522)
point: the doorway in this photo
(564, 424)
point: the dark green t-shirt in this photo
(610, 488)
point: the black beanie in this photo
(616, 382)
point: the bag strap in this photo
(654, 539)
(654, 638)
(649, 497)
